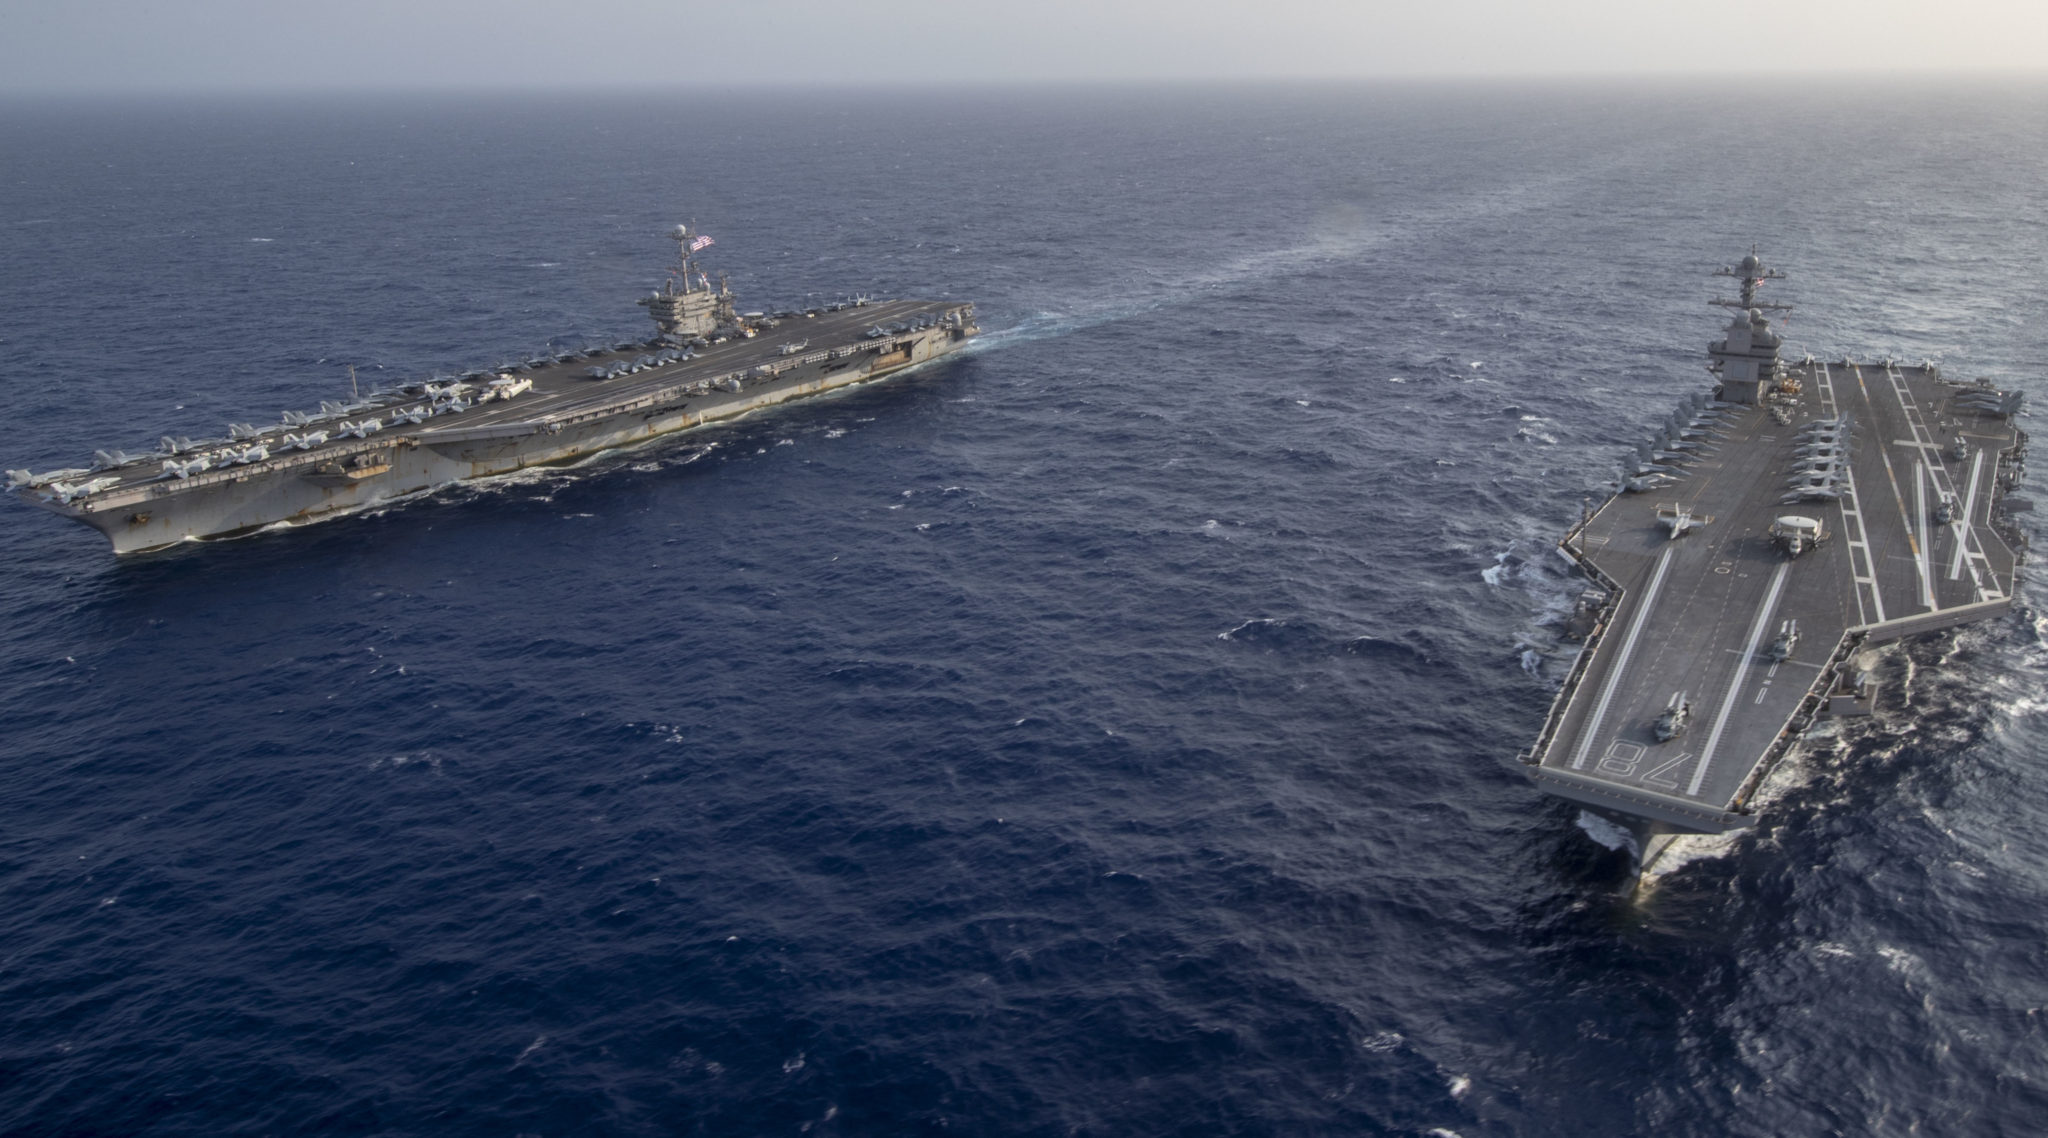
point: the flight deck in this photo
(1759, 546)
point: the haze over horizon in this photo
(139, 46)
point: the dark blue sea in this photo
(1109, 731)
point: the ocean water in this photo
(1107, 731)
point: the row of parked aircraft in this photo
(451, 397)
(1662, 461)
(1820, 460)
(661, 358)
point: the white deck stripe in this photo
(1966, 538)
(1963, 524)
(1969, 551)
(1955, 561)
(1628, 646)
(1756, 633)
(1970, 503)
(1921, 551)
(1861, 545)
(1906, 524)
(1852, 511)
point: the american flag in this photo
(701, 242)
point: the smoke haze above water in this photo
(58, 46)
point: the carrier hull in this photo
(565, 415)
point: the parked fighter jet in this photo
(67, 492)
(173, 468)
(1679, 427)
(1680, 520)
(1646, 462)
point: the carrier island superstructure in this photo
(706, 362)
(1772, 533)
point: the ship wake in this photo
(1340, 239)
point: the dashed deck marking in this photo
(1756, 633)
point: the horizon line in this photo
(1844, 77)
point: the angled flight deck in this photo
(1806, 512)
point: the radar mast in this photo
(684, 236)
(1752, 273)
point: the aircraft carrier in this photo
(1771, 534)
(706, 362)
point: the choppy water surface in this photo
(1106, 732)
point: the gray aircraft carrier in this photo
(1770, 535)
(706, 362)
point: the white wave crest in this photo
(1611, 835)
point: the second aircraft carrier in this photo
(706, 361)
(1775, 529)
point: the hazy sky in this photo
(70, 45)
